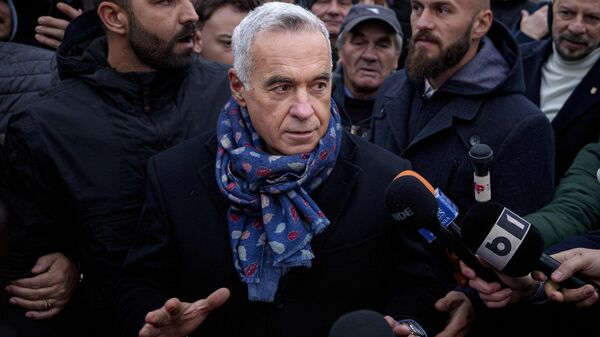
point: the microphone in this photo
(361, 323)
(509, 243)
(410, 201)
(481, 159)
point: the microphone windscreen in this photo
(477, 224)
(481, 152)
(411, 202)
(361, 323)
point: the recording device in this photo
(410, 201)
(481, 158)
(361, 323)
(509, 243)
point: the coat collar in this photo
(399, 105)
(585, 96)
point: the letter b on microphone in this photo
(504, 239)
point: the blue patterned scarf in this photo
(272, 217)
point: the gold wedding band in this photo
(47, 304)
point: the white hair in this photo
(271, 16)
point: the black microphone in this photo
(361, 323)
(509, 243)
(481, 159)
(410, 201)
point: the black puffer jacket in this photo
(24, 71)
(75, 159)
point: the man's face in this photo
(576, 28)
(441, 36)
(369, 55)
(5, 21)
(290, 93)
(216, 34)
(332, 12)
(161, 34)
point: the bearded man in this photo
(463, 85)
(75, 158)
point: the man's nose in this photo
(424, 21)
(188, 13)
(302, 109)
(369, 54)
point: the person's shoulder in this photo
(189, 152)
(372, 156)
(393, 83)
(203, 66)
(23, 52)
(536, 48)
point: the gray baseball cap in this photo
(362, 12)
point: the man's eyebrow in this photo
(323, 76)
(277, 79)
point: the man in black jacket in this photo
(75, 158)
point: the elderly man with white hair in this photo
(275, 225)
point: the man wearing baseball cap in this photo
(369, 45)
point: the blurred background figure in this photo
(217, 20)
(509, 11)
(374, 2)
(332, 13)
(369, 45)
(8, 25)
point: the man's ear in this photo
(114, 17)
(237, 87)
(482, 24)
(198, 42)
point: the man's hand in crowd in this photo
(535, 25)
(178, 319)
(49, 290)
(461, 313)
(493, 294)
(51, 30)
(579, 260)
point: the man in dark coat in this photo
(435, 110)
(282, 208)
(562, 76)
(75, 158)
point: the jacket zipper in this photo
(148, 111)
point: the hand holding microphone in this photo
(579, 260)
(513, 246)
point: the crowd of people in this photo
(219, 167)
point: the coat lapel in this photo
(532, 66)
(335, 193)
(206, 174)
(397, 109)
(585, 96)
(460, 107)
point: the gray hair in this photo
(271, 16)
(397, 39)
